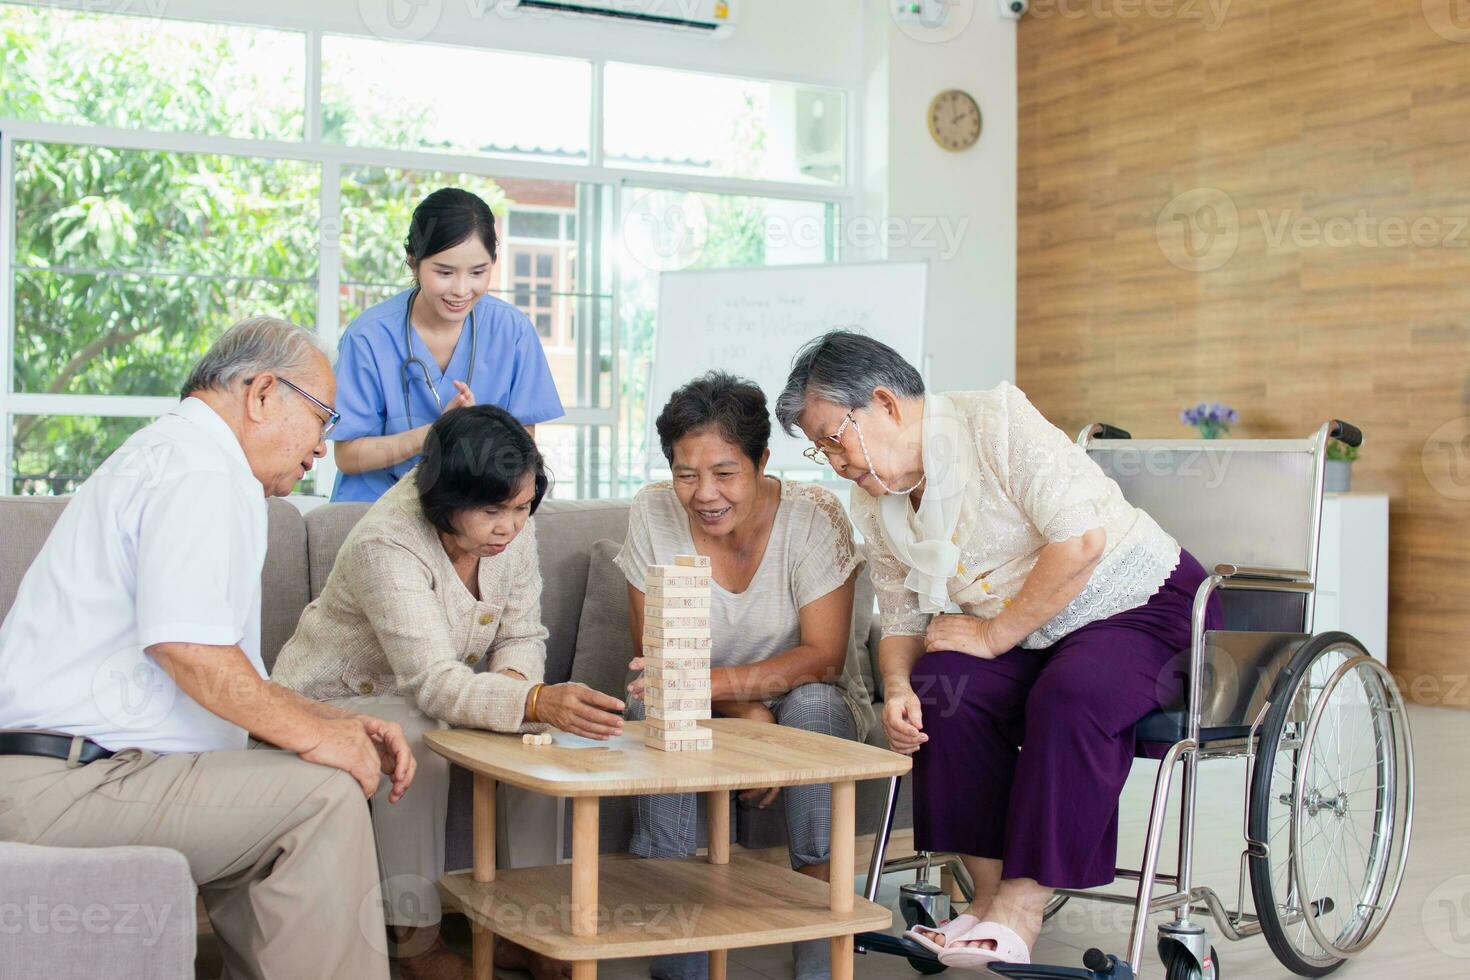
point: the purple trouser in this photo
(1028, 753)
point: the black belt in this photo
(51, 746)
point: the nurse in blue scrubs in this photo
(443, 344)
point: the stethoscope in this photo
(413, 359)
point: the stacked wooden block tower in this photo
(676, 654)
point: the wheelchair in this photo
(1319, 723)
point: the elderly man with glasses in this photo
(131, 679)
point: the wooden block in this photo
(659, 593)
(677, 619)
(686, 735)
(651, 632)
(671, 724)
(703, 745)
(652, 602)
(678, 679)
(678, 646)
(667, 704)
(669, 574)
(659, 713)
(678, 660)
(692, 561)
(654, 645)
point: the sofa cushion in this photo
(604, 639)
(326, 529)
(146, 895)
(28, 522)
(566, 532)
(283, 581)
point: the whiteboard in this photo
(751, 322)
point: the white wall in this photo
(955, 210)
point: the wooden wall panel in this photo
(1305, 115)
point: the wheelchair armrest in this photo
(1246, 572)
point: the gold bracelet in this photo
(532, 715)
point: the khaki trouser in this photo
(410, 833)
(281, 849)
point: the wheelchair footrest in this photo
(1099, 967)
(883, 942)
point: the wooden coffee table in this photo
(595, 910)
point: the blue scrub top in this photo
(510, 370)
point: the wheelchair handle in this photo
(1346, 432)
(1104, 431)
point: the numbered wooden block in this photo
(657, 701)
(692, 561)
(671, 574)
(677, 619)
(654, 603)
(689, 740)
(672, 660)
(697, 679)
(651, 632)
(672, 724)
(657, 644)
(665, 714)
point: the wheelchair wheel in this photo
(1331, 805)
(1053, 906)
(1181, 966)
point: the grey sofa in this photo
(589, 642)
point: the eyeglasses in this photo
(822, 455)
(333, 416)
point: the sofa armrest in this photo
(75, 912)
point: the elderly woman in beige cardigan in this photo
(439, 574)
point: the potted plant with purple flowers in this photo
(1213, 420)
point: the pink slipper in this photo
(1009, 948)
(948, 929)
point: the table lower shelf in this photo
(652, 907)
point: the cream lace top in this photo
(1028, 486)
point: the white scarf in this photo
(924, 540)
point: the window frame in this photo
(332, 158)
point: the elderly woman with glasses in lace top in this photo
(1023, 603)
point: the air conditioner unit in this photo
(713, 18)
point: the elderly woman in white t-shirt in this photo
(784, 571)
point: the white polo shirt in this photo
(163, 544)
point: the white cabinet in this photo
(1352, 569)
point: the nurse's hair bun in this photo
(448, 217)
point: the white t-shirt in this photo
(809, 554)
(163, 544)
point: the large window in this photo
(160, 179)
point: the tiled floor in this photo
(1427, 938)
